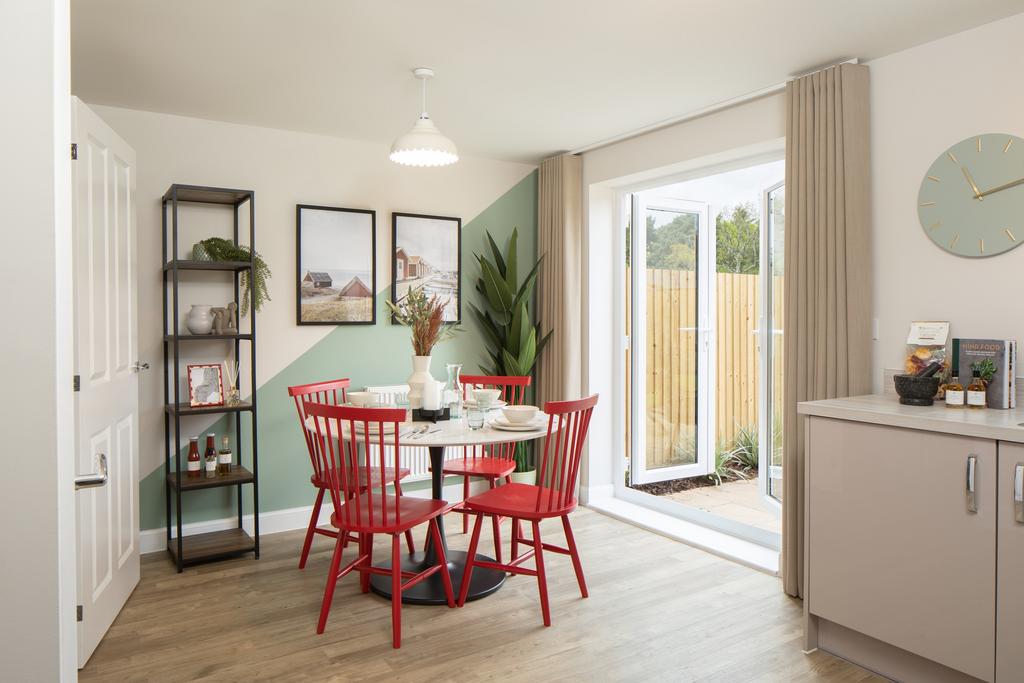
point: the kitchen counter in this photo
(990, 423)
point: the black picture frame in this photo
(312, 280)
(399, 273)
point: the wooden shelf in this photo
(214, 545)
(239, 475)
(207, 337)
(188, 264)
(197, 194)
(186, 409)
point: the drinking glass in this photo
(475, 418)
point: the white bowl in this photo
(361, 399)
(519, 414)
(485, 397)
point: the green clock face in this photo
(971, 201)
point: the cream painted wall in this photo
(283, 168)
(922, 101)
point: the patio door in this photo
(769, 333)
(670, 259)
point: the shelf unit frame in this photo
(212, 546)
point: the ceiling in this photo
(516, 80)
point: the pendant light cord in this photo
(424, 115)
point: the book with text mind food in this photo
(999, 355)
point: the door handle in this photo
(1018, 493)
(139, 367)
(972, 496)
(88, 481)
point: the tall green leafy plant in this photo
(254, 285)
(514, 342)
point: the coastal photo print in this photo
(337, 267)
(427, 256)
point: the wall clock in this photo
(971, 201)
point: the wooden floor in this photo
(659, 610)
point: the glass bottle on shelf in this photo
(977, 395)
(224, 457)
(453, 391)
(210, 457)
(193, 466)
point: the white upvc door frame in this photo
(641, 203)
(766, 332)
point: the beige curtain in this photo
(560, 280)
(828, 269)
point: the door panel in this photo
(1010, 567)
(770, 343)
(106, 353)
(894, 552)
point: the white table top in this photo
(458, 433)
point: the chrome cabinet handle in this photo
(88, 481)
(1018, 493)
(972, 496)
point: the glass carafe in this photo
(452, 393)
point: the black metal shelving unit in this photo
(216, 545)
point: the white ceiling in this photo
(517, 80)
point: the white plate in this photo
(471, 403)
(506, 426)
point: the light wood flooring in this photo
(659, 611)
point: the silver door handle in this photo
(1018, 493)
(139, 367)
(972, 496)
(88, 481)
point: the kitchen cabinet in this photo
(1010, 564)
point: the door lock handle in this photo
(139, 367)
(88, 481)
(1018, 493)
(972, 494)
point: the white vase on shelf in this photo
(199, 320)
(419, 377)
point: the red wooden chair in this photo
(363, 511)
(494, 461)
(554, 495)
(333, 393)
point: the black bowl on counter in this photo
(916, 391)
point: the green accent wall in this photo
(371, 354)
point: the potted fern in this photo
(514, 342)
(254, 284)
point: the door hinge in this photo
(77, 383)
(74, 151)
(78, 612)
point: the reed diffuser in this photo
(231, 374)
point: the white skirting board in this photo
(276, 521)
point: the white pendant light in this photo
(424, 145)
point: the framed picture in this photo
(205, 385)
(336, 254)
(428, 255)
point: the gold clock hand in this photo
(970, 181)
(1004, 186)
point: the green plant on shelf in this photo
(254, 284)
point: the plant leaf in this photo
(520, 320)
(498, 292)
(511, 363)
(528, 352)
(526, 289)
(487, 324)
(543, 340)
(498, 260)
(511, 271)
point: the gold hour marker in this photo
(1009, 234)
(981, 246)
(931, 177)
(927, 203)
(950, 154)
(934, 225)
(979, 144)
(956, 238)
(1007, 147)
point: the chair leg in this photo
(516, 530)
(446, 578)
(408, 532)
(312, 528)
(396, 591)
(467, 573)
(465, 495)
(542, 581)
(366, 548)
(332, 579)
(571, 541)
(496, 528)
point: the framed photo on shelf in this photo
(336, 269)
(205, 385)
(427, 255)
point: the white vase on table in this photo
(419, 377)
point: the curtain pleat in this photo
(827, 347)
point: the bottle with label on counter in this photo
(977, 395)
(954, 393)
(224, 457)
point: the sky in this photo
(727, 189)
(336, 241)
(434, 240)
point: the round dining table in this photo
(437, 437)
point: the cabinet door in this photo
(894, 551)
(1010, 572)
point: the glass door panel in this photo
(771, 326)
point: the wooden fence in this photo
(672, 391)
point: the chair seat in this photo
(492, 468)
(403, 512)
(518, 500)
(389, 477)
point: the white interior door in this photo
(106, 354)
(770, 350)
(672, 247)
